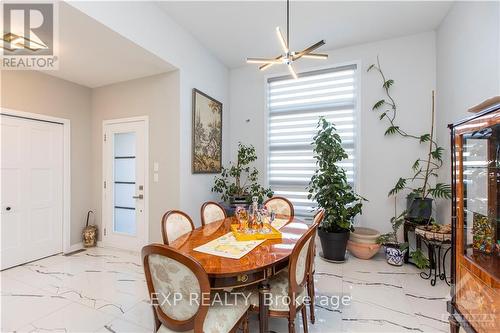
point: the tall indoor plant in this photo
(330, 189)
(239, 182)
(420, 186)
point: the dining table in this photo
(254, 268)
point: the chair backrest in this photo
(280, 205)
(318, 217)
(299, 263)
(174, 224)
(211, 212)
(177, 286)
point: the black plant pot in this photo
(334, 244)
(419, 209)
(237, 200)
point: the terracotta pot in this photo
(363, 235)
(361, 250)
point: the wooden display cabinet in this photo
(475, 292)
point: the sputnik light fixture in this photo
(288, 57)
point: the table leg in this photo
(263, 308)
(444, 266)
(406, 229)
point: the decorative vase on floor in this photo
(394, 255)
(363, 243)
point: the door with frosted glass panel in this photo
(124, 184)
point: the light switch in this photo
(155, 177)
(156, 166)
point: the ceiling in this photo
(93, 55)
(234, 30)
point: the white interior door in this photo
(31, 190)
(124, 205)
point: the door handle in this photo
(140, 196)
(7, 208)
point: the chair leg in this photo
(311, 293)
(245, 323)
(304, 319)
(291, 325)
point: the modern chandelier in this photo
(288, 57)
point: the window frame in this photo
(357, 111)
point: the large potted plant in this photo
(421, 187)
(239, 182)
(330, 189)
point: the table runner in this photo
(227, 246)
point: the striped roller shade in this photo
(294, 108)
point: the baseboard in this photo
(74, 247)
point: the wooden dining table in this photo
(255, 268)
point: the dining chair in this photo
(290, 284)
(211, 212)
(179, 290)
(174, 224)
(318, 218)
(280, 205)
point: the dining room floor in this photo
(104, 290)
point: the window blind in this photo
(294, 109)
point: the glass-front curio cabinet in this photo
(475, 142)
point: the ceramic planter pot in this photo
(363, 235)
(334, 244)
(362, 250)
(394, 255)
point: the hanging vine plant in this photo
(419, 184)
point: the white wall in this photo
(158, 98)
(147, 25)
(468, 67)
(410, 61)
(44, 94)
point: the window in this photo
(294, 108)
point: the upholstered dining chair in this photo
(280, 205)
(174, 224)
(290, 283)
(180, 295)
(318, 218)
(211, 212)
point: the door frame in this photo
(104, 214)
(66, 123)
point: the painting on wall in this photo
(207, 134)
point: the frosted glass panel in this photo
(124, 183)
(125, 221)
(124, 194)
(125, 170)
(124, 144)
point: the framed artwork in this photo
(207, 134)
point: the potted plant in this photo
(331, 191)
(238, 183)
(395, 251)
(422, 189)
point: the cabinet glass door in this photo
(480, 163)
